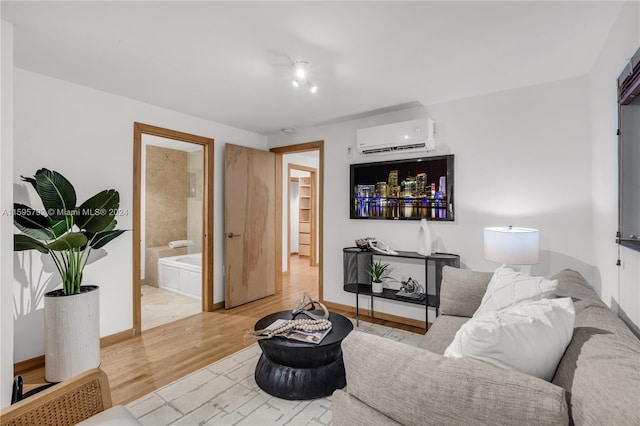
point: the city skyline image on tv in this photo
(412, 189)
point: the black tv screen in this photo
(412, 189)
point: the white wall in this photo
(6, 204)
(522, 157)
(87, 135)
(308, 159)
(620, 285)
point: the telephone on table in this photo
(375, 245)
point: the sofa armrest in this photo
(414, 386)
(67, 403)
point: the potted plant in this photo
(68, 233)
(377, 272)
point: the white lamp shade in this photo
(511, 245)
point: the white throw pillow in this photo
(530, 337)
(508, 287)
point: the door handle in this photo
(232, 235)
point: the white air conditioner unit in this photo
(407, 136)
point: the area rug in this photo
(225, 393)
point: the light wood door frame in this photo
(207, 212)
(292, 149)
(312, 220)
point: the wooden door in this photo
(250, 224)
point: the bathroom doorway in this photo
(172, 226)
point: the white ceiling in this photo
(229, 62)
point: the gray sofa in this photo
(596, 383)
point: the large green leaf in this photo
(111, 226)
(102, 238)
(25, 242)
(56, 192)
(60, 227)
(68, 241)
(32, 222)
(97, 213)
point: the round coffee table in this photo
(295, 370)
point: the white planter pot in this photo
(72, 333)
(376, 287)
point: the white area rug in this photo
(225, 393)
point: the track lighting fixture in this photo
(301, 76)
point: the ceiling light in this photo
(301, 76)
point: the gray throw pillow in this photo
(461, 291)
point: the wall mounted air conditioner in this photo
(407, 136)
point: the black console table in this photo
(356, 280)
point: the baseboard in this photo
(378, 315)
(28, 365)
(116, 337)
(38, 361)
(217, 306)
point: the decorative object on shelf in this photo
(369, 243)
(377, 272)
(68, 233)
(425, 243)
(307, 305)
(511, 245)
(411, 286)
(412, 290)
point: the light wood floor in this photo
(163, 354)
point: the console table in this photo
(356, 280)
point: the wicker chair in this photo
(66, 403)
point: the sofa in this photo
(597, 381)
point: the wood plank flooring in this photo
(159, 356)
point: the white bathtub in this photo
(181, 274)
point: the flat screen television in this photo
(411, 189)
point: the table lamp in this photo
(511, 245)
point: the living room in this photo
(538, 152)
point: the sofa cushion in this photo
(529, 337)
(117, 415)
(572, 284)
(601, 367)
(441, 333)
(461, 291)
(508, 287)
(417, 387)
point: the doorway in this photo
(302, 201)
(172, 249)
(305, 158)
